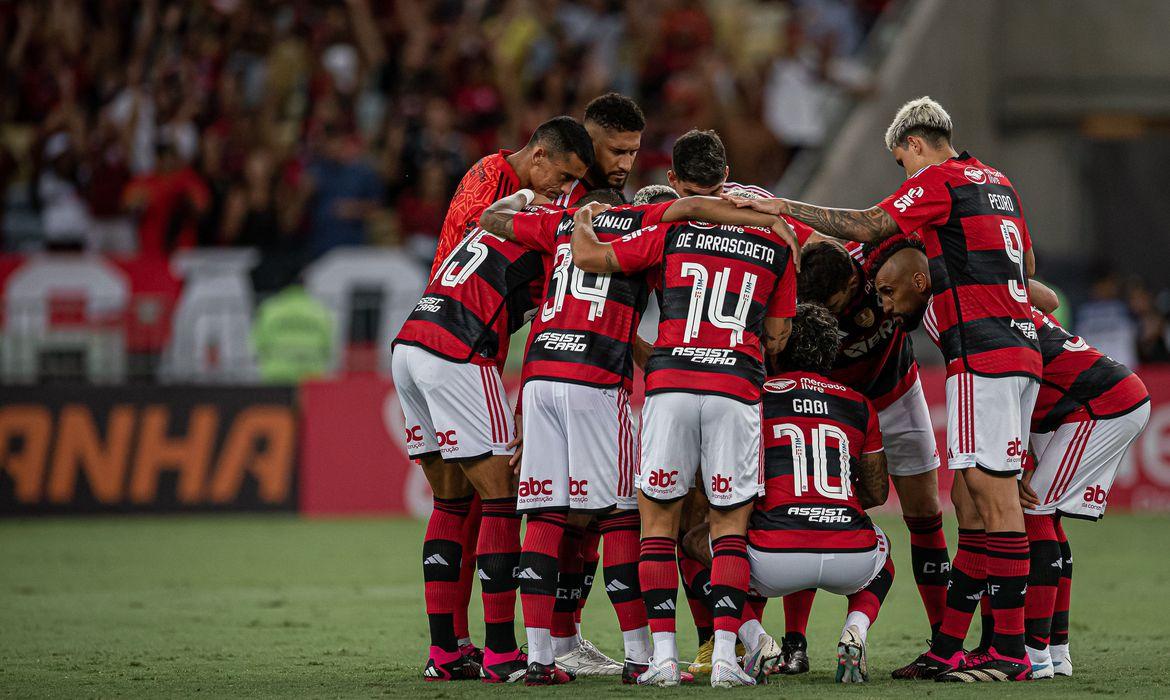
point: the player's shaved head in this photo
(901, 278)
(655, 194)
(562, 136)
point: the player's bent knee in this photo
(492, 477)
(446, 480)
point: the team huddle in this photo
(782, 400)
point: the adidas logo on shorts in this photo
(435, 559)
(665, 605)
(529, 574)
(616, 585)
(725, 602)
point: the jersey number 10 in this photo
(820, 457)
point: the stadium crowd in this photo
(153, 125)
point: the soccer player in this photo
(1090, 410)
(615, 123)
(980, 257)
(877, 359)
(823, 467)
(558, 151)
(581, 444)
(556, 156)
(725, 290)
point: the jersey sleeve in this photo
(922, 200)
(652, 213)
(873, 434)
(537, 230)
(640, 249)
(783, 301)
(802, 230)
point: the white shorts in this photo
(580, 449)
(681, 431)
(776, 574)
(1077, 462)
(908, 435)
(988, 421)
(456, 409)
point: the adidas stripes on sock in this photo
(1043, 580)
(658, 576)
(442, 558)
(498, 557)
(968, 580)
(730, 575)
(538, 581)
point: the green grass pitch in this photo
(278, 606)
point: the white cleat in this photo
(728, 675)
(588, 660)
(663, 674)
(764, 658)
(1061, 660)
(1041, 661)
(851, 664)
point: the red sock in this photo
(442, 555)
(570, 574)
(696, 580)
(753, 609)
(1043, 579)
(797, 608)
(730, 575)
(658, 576)
(928, 556)
(1063, 589)
(538, 568)
(591, 553)
(498, 557)
(470, 538)
(621, 568)
(868, 600)
(968, 580)
(1008, 556)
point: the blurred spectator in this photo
(1153, 338)
(345, 192)
(293, 337)
(168, 200)
(64, 214)
(1104, 321)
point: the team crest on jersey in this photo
(864, 319)
(779, 386)
(975, 175)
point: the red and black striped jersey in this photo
(716, 286)
(876, 356)
(815, 432)
(583, 331)
(491, 178)
(475, 301)
(970, 219)
(1080, 383)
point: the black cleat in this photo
(793, 656)
(988, 667)
(459, 668)
(547, 674)
(926, 667)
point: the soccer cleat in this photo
(764, 658)
(632, 669)
(449, 666)
(728, 675)
(794, 657)
(1041, 662)
(1061, 661)
(989, 666)
(851, 665)
(472, 652)
(588, 660)
(546, 674)
(664, 674)
(702, 662)
(503, 668)
(927, 666)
